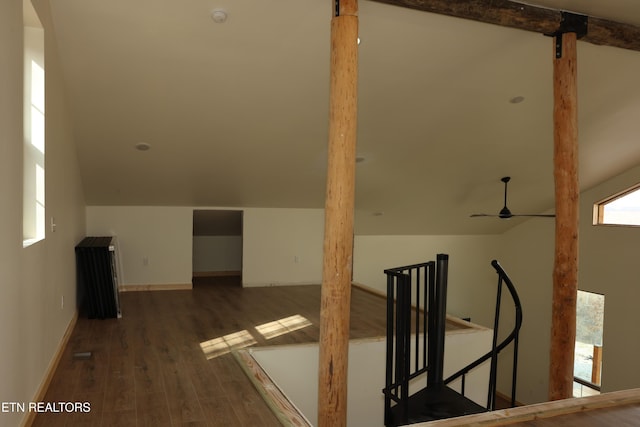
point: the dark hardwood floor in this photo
(149, 369)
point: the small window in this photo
(34, 129)
(587, 368)
(620, 209)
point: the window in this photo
(587, 366)
(34, 126)
(620, 209)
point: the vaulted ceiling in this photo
(236, 113)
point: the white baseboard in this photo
(156, 287)
(264, 285)
(51, 370)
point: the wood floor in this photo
(149, 369)
(618, 408)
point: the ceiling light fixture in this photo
(516, 99)
(142, 146)
(219, 16)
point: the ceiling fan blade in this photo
(512, 215)
(536, 215)
(505, 213)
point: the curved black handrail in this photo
(497, 348)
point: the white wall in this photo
(284, 247)
(11, 295)
(34, 279)
(217, 253)
(610, 265)
(154, 242)
(280, 246)
(528, 260)
(471, 284)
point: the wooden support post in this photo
(565, 271)
(338, 226)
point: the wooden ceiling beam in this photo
(526, 17)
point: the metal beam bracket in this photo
(569, 23)
(336, 5)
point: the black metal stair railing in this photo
(414, 292)
(496, 348)
(416, 305)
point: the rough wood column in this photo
(565, 271)
(338, 226)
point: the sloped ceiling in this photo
(236, 114)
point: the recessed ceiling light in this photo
(360, 159)
(516, 99)
(142, 146)
(219, 16)
(378, 213)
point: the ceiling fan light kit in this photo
(505, 213)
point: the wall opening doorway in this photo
(587, 368)
(217, 247)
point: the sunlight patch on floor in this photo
(283, 326)
(222, 345)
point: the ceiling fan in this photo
(505, 213)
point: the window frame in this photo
(34, 227)
(580, 382)
(598, 207)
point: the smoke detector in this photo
(219, 16)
